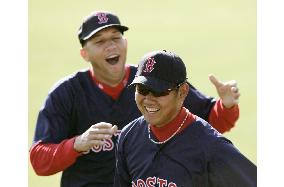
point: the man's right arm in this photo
(48, 159)
(52, 150)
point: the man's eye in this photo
(116, 38)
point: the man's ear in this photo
(84, 54)
(126, 42)
(184, 90)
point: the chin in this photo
(151, 121)
(117, 69)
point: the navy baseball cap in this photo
(160, 71)
(97, 21)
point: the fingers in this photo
(102, 125)
(102, 130)
(236, 94)
(231, 83)
(114, 129)
(95, 136)
(215, 81)
(235, 89)
(227, 91)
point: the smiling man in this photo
(169, 146)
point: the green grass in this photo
(216, 37)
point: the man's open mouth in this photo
(113, 59)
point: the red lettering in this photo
(171, 184)
(151, 181)
(133, 184)
(108, 146)
(140, 183)
(97, 148)
(161, 182)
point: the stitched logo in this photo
(102, 18)
(149, 65)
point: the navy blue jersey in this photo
(75, 104)
(197, 156)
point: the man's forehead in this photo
(112, 30)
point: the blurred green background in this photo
(216, 37)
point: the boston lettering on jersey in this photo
(108, 145)
(152, 182)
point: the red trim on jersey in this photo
(114, 92)
(222, 118)
(162, 133)
(48, 159)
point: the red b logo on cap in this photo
(102, 18)
(149, 65)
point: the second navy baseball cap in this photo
(97, 21)
(160, 71)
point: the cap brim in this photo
(120, 27)
(152, 83)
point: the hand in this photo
(94, 136)
(228, 91)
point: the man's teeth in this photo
(112, 56)
(113, 59)
(151, 109)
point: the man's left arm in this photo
(225, 112)
(221, 114)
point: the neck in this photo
(174, 119)
(167, 132)
(111, 81)
(171, 120)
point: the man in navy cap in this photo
(78, 125)
(169, 146)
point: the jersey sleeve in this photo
(54, 119)
(52, 150)
(228, 167)
(222, 118)
(48, 159)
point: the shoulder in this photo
(133, 70)
(133, 126)
(207, 134)
(133, 66)
(207, 139)
(64, 91)
(67, 82)
(206, 127)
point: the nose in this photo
(149, 96)
(110, 45)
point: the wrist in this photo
(76, 146)
(227, 106)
